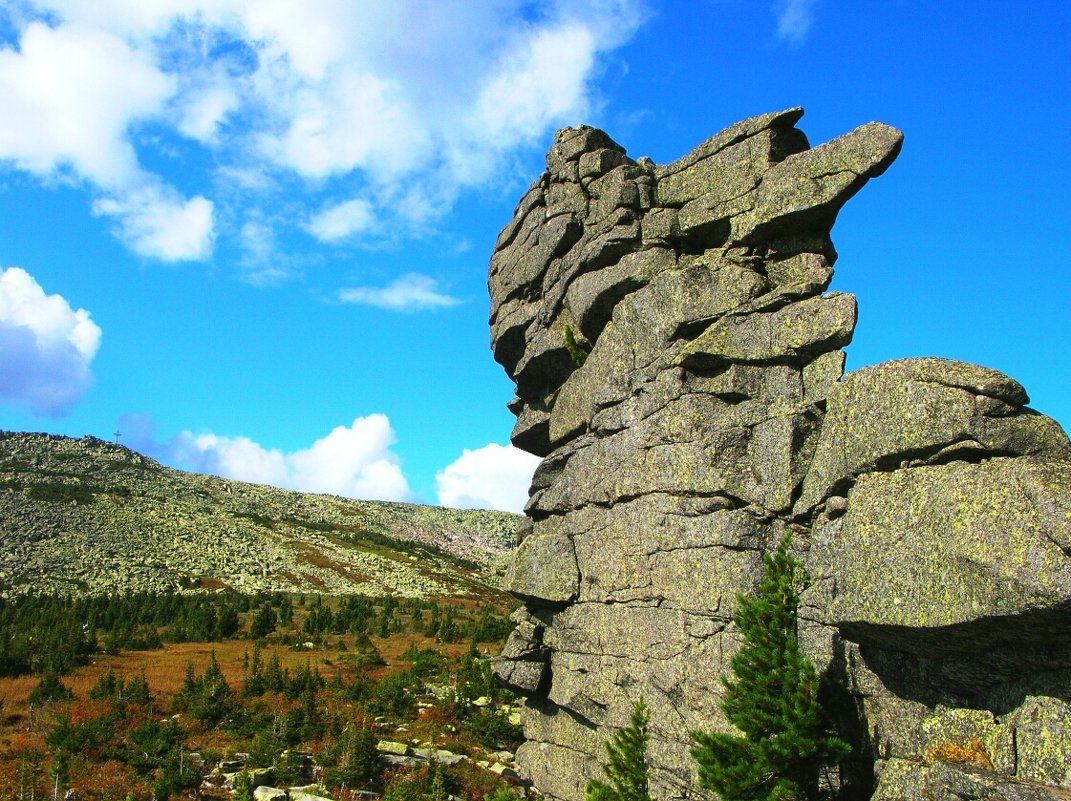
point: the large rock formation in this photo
(710, 416)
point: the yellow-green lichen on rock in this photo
(710, 416)
(952, 543)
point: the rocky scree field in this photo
(86, 516)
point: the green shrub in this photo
(492, 729)
(433, 782)
(576, 353)
(474, 678)
(504, 793)
(393, 695)
(243, 786)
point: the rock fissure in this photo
(711, 416)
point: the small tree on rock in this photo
(627, 766)
(773, 699)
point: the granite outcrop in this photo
(679, 366)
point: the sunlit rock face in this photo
(710, 416)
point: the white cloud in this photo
(544, 81)
(71, 95)
(354, 461)
(408, 293)
(352, 120)
(45, 346)
(341, 220)
(262, 264)
(232, 457)
(68, 97)
(258, 240)
(491, 477)
(405, 115)
(204, 112)
(794, 20)
(155, 222)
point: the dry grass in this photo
(22, 728)
(165, 668)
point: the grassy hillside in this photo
(88, 516)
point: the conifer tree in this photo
(50, 688)
(626, 769)
(358, 759)
(254, 682)
(274, 677)
(263, 623)
(772, 698)
(137, 690)
(243, 786)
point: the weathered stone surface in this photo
(440, 755)
(976, 733)
(709, 418)
(261, 776)
(952, 543)
(919, 411)
(807, 189)
(948, 781)
(1042, 726)
(778, 120)
(544, 567)
(900, 780)
(392, 747)
(908, 780)
(310, 792)
(803, 329)
(265, 793)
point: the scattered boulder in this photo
(505, 771)
(308, 792)
(441, 755)
(261, 776)
(393, 747)
(265, 793)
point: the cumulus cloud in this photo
(408, 293)
(403, 116)
(68, 97)
(339, 221)
(71, 96)
(45, 346)
(204, 112)
(155, 222)
(794, 20)
(353, 461)
(351, 120)
(544, 81)
(492, 477)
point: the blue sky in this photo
(252, 235)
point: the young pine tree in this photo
(627, 766)
(243, 786)
(772, 698)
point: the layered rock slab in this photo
(706, 417)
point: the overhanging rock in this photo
(710, 416)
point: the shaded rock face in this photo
(709, 417)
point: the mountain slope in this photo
(89, 516)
